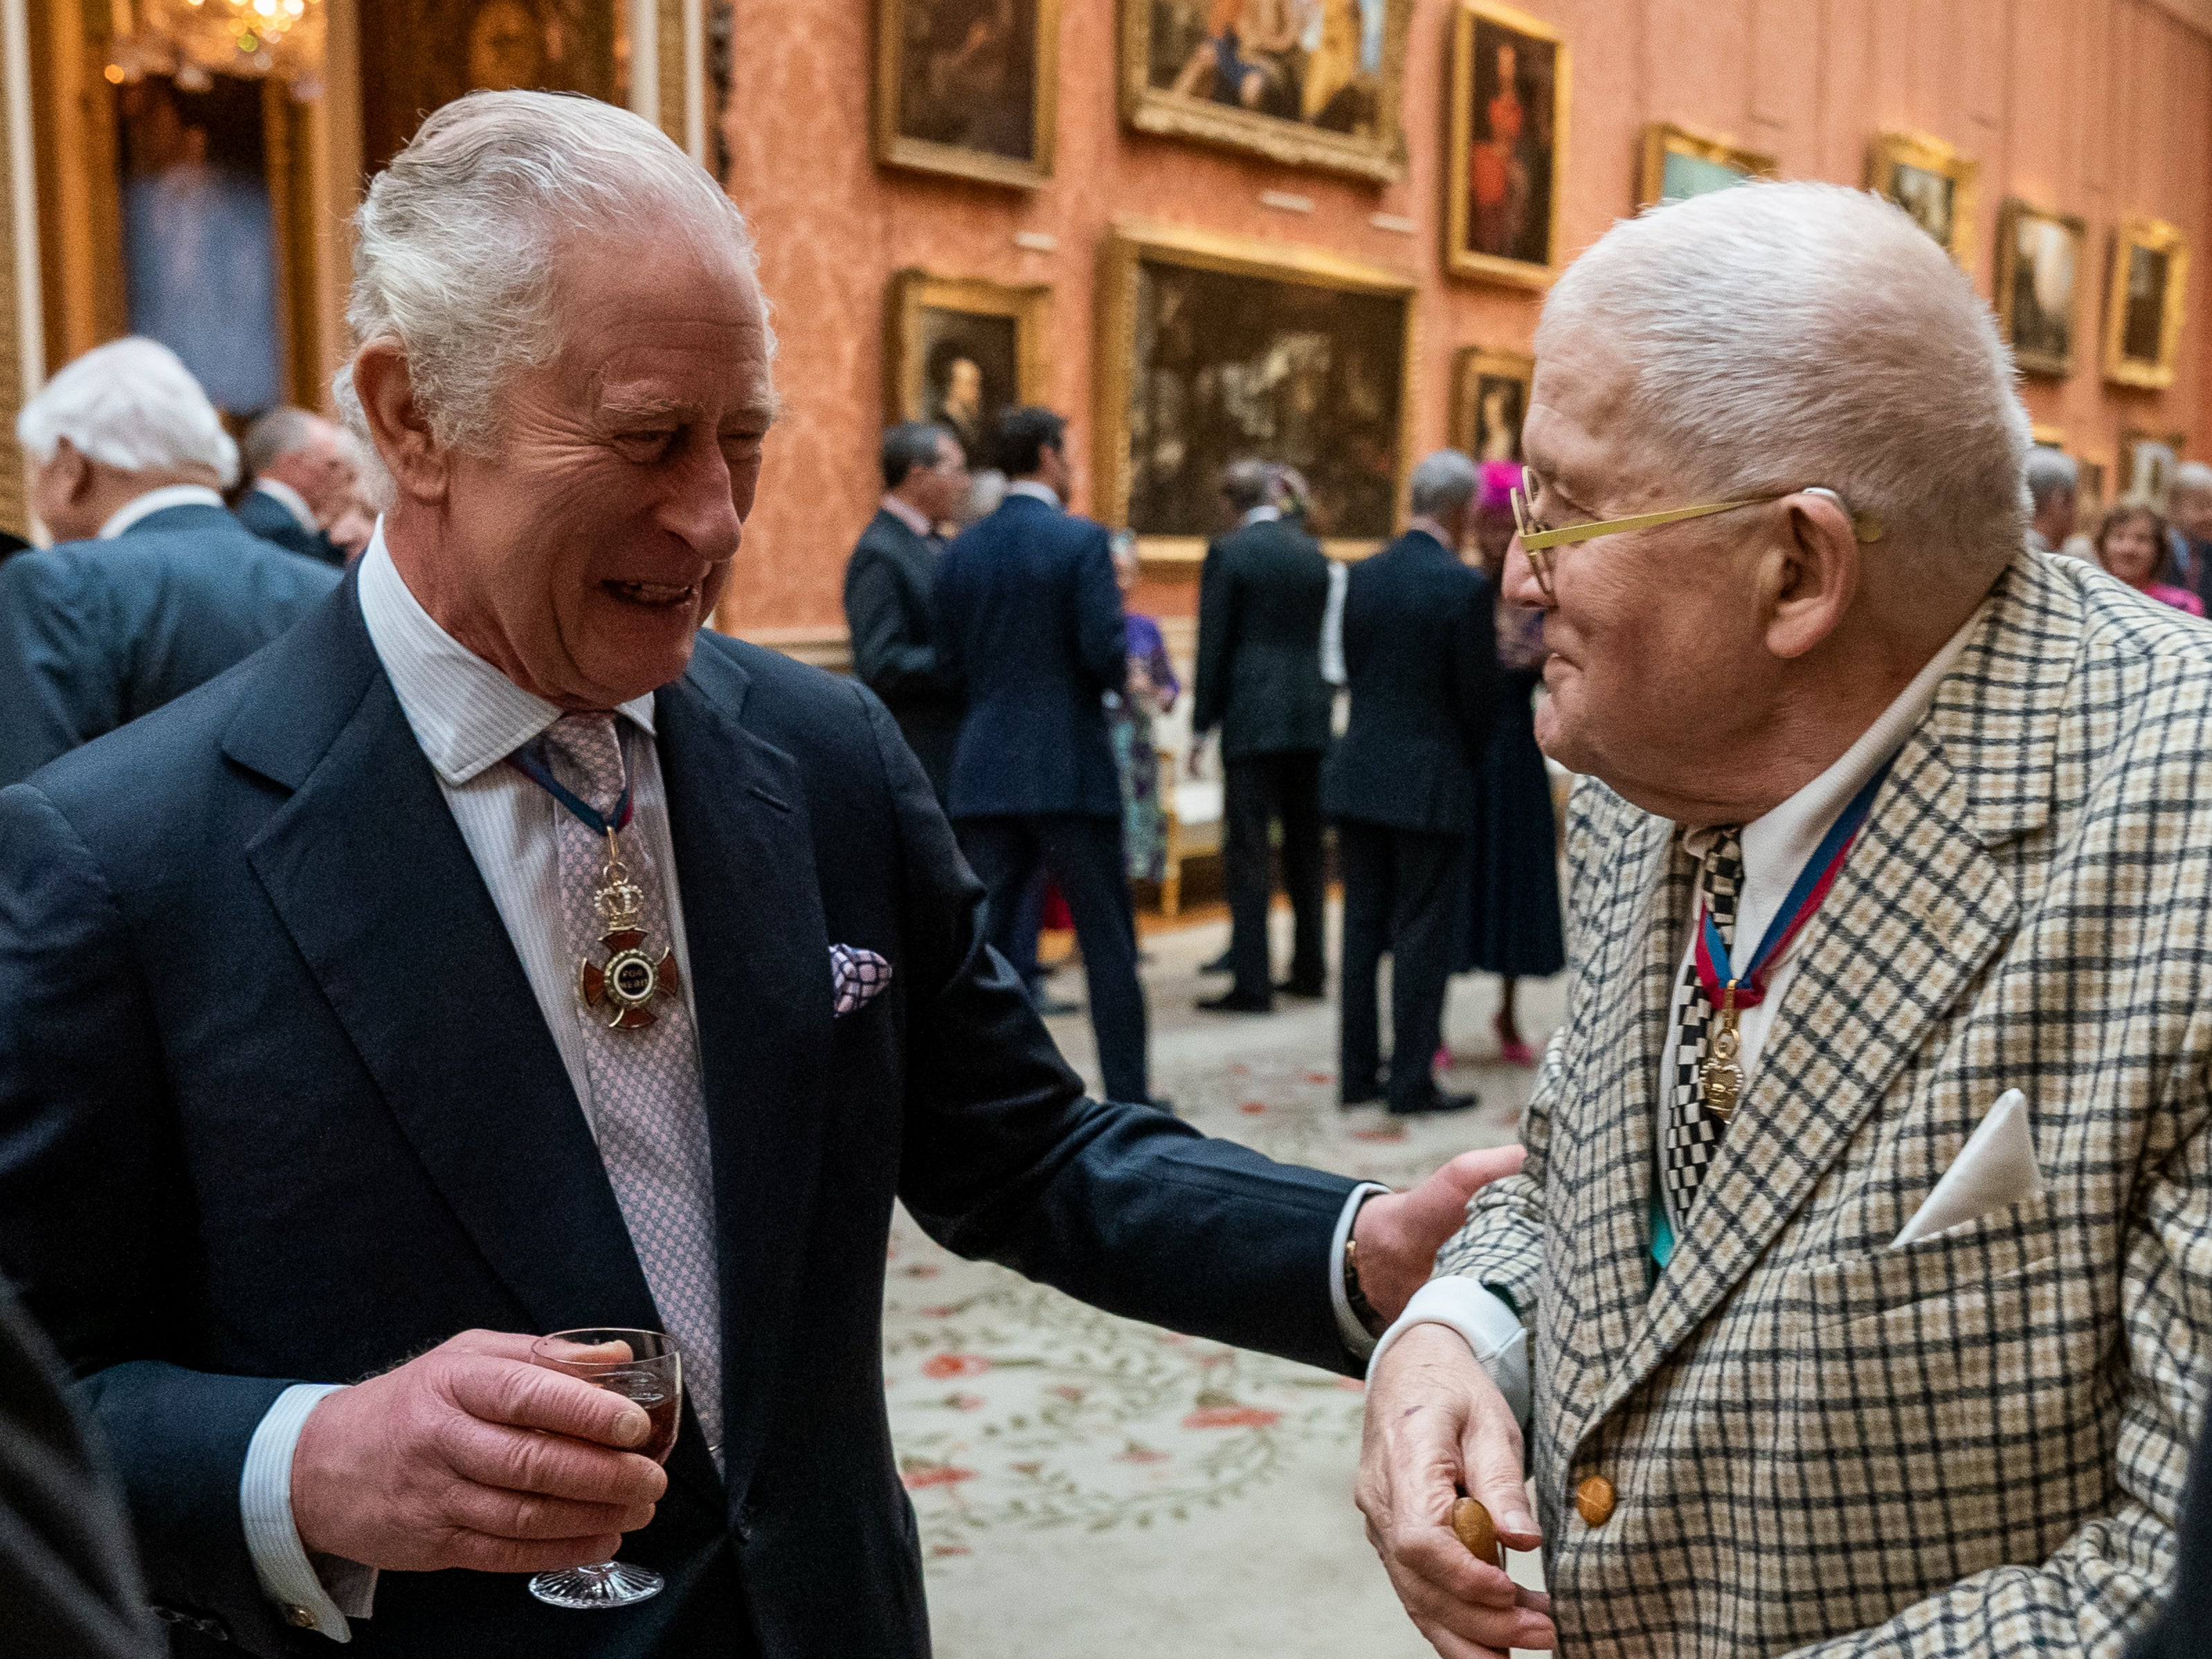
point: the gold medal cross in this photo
(623, 987)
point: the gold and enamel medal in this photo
(1723, 1078)
(623, 989)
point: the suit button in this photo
(1593, 1500)
(299, 1615)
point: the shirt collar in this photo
(1035, 491)
(1266, 513)
(1435, 532)
(907, 514)
(290, 500)
(156, 501)
(466, 716)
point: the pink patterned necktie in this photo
(646, 1107)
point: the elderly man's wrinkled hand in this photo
(1437, 1425)
(471, 1456)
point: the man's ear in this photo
(411, 452)
(1812, 576)
(72, 473)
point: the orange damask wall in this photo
(2098, 108)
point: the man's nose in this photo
(1519, 578)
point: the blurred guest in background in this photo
(1420, 651)
(300, 478)
(1513, 872)
(2052, 481)
(2181, 1629)
(68, 1575)
(1262, 593)
(1152, 689)
(1029, 618)
(887, 589)
(2131, 543)
(2189, 505)
(155, 586)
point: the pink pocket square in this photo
(858, 975)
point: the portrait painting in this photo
(967, 86)
(2039, 255)
(1307, 83)
(2144, 303)
(961, 350)
(1213, 349)
(423, 53)
(2148, 460)
(1490, 399)
(1932, 182)
(1679, 163)
(1508, 114)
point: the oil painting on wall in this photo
(1508, 131)
(1679, 163)
(2039, 272)
(961, 350)
(967, 86)
(1490, 399)
(1932, 182)
(1310, 83)
(2144, 305)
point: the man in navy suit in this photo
(1421, 656)
(155, 586)
(299, 479)
(499, 953)
(887, 593)
(1030, 617)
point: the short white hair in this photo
(281, 431)
(457, 239)
(1443, 481)
(131, 404)
(2192, 476)
(1786, 335)
(2049, 472)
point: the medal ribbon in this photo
(1716, 972)
(532, 764)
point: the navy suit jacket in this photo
(1029, 619)
(887, 612)
(1262, 597)
(1420, 657)
(95, 634)
(276, 1104)
(271, 519)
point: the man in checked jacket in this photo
(1864, 1307)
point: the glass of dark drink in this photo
(644, 1366)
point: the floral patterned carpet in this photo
(1086, 1484)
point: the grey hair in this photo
(2194, 477)
(1443, 481)
(277, 435)
(2049, 472)
(1786, 334)
(131, 404)
(457, 239)
(1245, 483)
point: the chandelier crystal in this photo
(194, 40)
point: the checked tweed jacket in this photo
(1975, 1444)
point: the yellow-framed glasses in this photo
(1537, 542)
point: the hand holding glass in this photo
(642, 1367)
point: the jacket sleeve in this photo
(88, 1228)
(60, 683)
(1474, 666)
(1102, 630)
(943, 620)
(1123, 1206)
(892, 655)
(2106, 1580)
(1215, 640)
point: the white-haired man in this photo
(156, 587)
(302, 478)
(2189, 507)
(1857, 1267)
(2053, 480)
(483, 959)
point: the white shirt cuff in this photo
(1354, 1333)
(1489, 1327)
(308, 1600)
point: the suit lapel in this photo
(760, 964)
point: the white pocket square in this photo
(856, 976)
(1996, 1167)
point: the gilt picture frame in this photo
(1931, 181)
(1676, 162)
(2148, 460)
(2041, 256)
(969, 87)
(2146, 299)
(1211, 348)
(1489, 401)
(961, 348)
(1319, 86)
(1504, 170)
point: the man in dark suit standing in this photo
(498, 953)
(887, 593)
(69, 1577)
(1422, 661)
(1260, 610)
(299, 478)
(153, 586)
(1030, 617)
